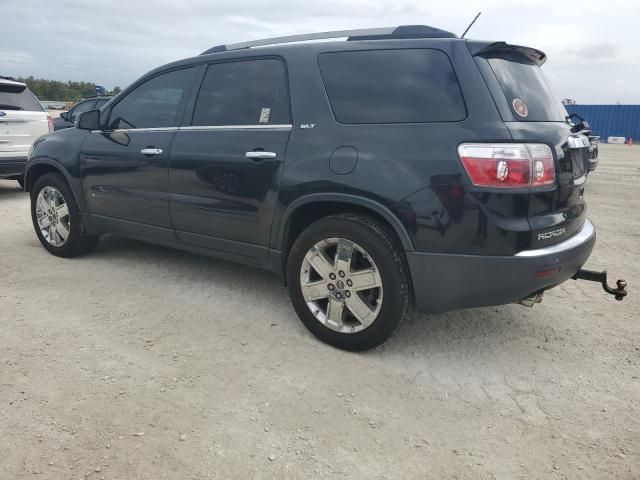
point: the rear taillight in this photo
(508, 165)
(50, 122)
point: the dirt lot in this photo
(139, 362)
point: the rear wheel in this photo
(56, 218)
(348, 281)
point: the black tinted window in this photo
(392, 86)
(18, 97)
(243, 93)
(80, 108)
(156, 103)
(101, 102)
(527, 90)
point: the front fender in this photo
(60, 152)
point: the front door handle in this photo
(151, 151)
(259, 155)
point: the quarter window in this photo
(392, 86)
(156, 103)
(250, 92)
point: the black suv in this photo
(397, 167)
(67, 119)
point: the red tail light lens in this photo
(508, 165)
(50, 122)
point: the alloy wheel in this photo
(52, 213)
(341, 285)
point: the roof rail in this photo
(404, 31)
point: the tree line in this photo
(61, 91)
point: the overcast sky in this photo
(591, 44)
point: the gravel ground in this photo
(140, 362)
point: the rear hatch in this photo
(22, 119)
(533, 114)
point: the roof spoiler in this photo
(10, 81)
(486, 48)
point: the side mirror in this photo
(88, 120)
(64, 115)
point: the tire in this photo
(76, 241)
(314, 265)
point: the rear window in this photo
(392, 86)
(18, 97)
(526, 89)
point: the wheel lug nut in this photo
(332, 276)
(350, 283)
(338, 296)
(330, 286)
(347, 294)
(341, 273)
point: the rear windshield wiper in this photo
(9, 107)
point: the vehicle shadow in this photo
(451, 331)
(10, 189)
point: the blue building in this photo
(610, 120)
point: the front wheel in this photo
(56, 218)
(349, 282)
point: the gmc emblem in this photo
(552, 233)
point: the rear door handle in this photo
(259, 155)
(151, 151)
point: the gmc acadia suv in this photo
(398, 167)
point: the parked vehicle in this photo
(22, 120)
(67, 119)
(400, 166)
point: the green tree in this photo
(59, 91)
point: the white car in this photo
(22, 121)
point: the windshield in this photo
(527, 90)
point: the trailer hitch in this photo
(601, 277)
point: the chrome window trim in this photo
(585, 233)
(204, 128)
(236, 127)
(134, 130)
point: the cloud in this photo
(113, 43)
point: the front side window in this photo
(156, 103)
(252, 92)
(392, 86)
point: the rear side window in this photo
(250, 92)
(392, 86)
(18, 97)
(81, 108)
(156, 103)
(101, 102)
(526, 89)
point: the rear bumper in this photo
(12, 166)
(444, 282)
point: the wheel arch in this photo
(40, 167)
(319, 205)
